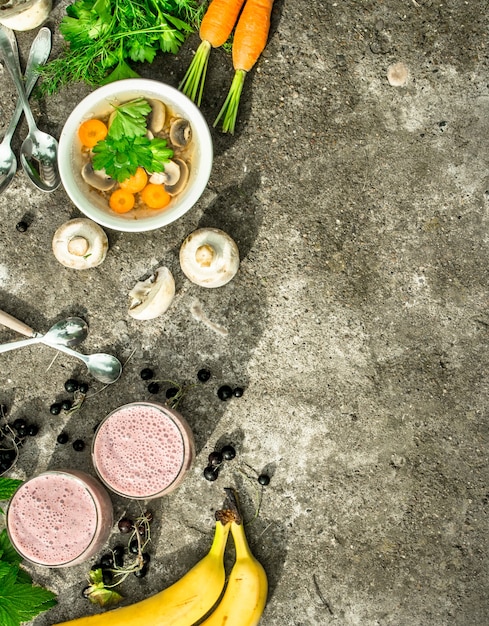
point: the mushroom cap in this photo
(209, 257)
(152, 297)
(176, 185)
(180, 132)
(96, 178)
(80, 244)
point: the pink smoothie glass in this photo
(59, 518)
(143, 450)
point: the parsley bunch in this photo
(103, 36)
(126, 146)
(20, 600)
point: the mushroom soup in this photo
(162, 124)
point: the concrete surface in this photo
(358, 323)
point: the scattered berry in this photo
(83, 388)
(146, 373)
(19, 423)
(62, 438)
(171, 392)
(71, 385)
(224, 392)
(238, 392)
(118, 552)
(78, 445)
(134, 547)
(203, 375)
(66, 405)
(107, 560)
(211, 473)
(228, 452)
(32, 430)
(141, 573)
(21, 226)
(125, 525)
(264, 479)
(215, 458)
(153, 387)
(146, 558)
(55, 408)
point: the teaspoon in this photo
(38, 147)
(69, 332)
(103, 367)
(38, 55)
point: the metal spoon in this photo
(68, 332)
(39, 151)
(104, 367)
(38, 55)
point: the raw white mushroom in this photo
(80, 244)
(209, 257)
(152, 297)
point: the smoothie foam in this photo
(142, 450)
(59, 518)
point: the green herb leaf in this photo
(130, 119)
(122, 71)
(161, 154)
(20, 601)
(8, 487)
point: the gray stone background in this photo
(358, 321)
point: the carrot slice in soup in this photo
(155, 196)
(122, 201)
(91, 132)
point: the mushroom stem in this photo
(78, 246)
(204, 255)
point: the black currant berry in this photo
(146, 558)
(107, 560)
(211, 473)
(83, 388)
(125, 525)
(21, 226)
(224, 392)
(55, 408)
(203, 375)
(153, 387)
(71, 385)
(32, 430)
(141, 573)
(134, 547)
(146, 373)
(19, 423)
(238, 392)
(215, 458)
(228, 452)
(62, 438)
(78, 445)
(171, 392)
(264, 479)
(118, 552)
(107, 576)
(66, 405)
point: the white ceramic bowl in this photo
(98, 104)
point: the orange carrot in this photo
(250, 39)
(91, 132)
(121, 201)
(136, 182)
(215, 28)
(155, 196)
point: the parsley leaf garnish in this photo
(127, 147)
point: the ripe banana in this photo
(181, 604)
(246, 592)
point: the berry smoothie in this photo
(142, 450)
(59, 518)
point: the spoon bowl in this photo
(103, 367)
